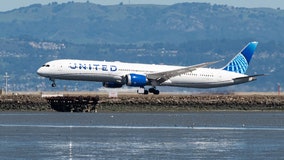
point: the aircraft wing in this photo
(161, 77)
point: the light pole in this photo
(278, 88)
(6, 82)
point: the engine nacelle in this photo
(136, 80)
(112, 85)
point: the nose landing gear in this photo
(53, 82)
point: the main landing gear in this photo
(53, 82)
(153, 90)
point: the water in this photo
(205, 135)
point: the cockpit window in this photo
(46, 65)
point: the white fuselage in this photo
(103, 71)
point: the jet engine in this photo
(136, 80)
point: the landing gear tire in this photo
(146, 92)
(154, 91)
(53, 82)
(53, 85)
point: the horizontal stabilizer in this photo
(246, 78)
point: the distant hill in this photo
(92, 23)
(180, 34)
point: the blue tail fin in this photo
(240, 62)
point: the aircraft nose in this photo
(40, 71)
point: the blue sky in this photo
(13, 4)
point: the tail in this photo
(240, 62)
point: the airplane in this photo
(117, 74)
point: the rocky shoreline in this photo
(184, 103)
(24, 103)
(146, 103)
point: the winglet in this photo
(240, 62)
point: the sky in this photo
(13, 4)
